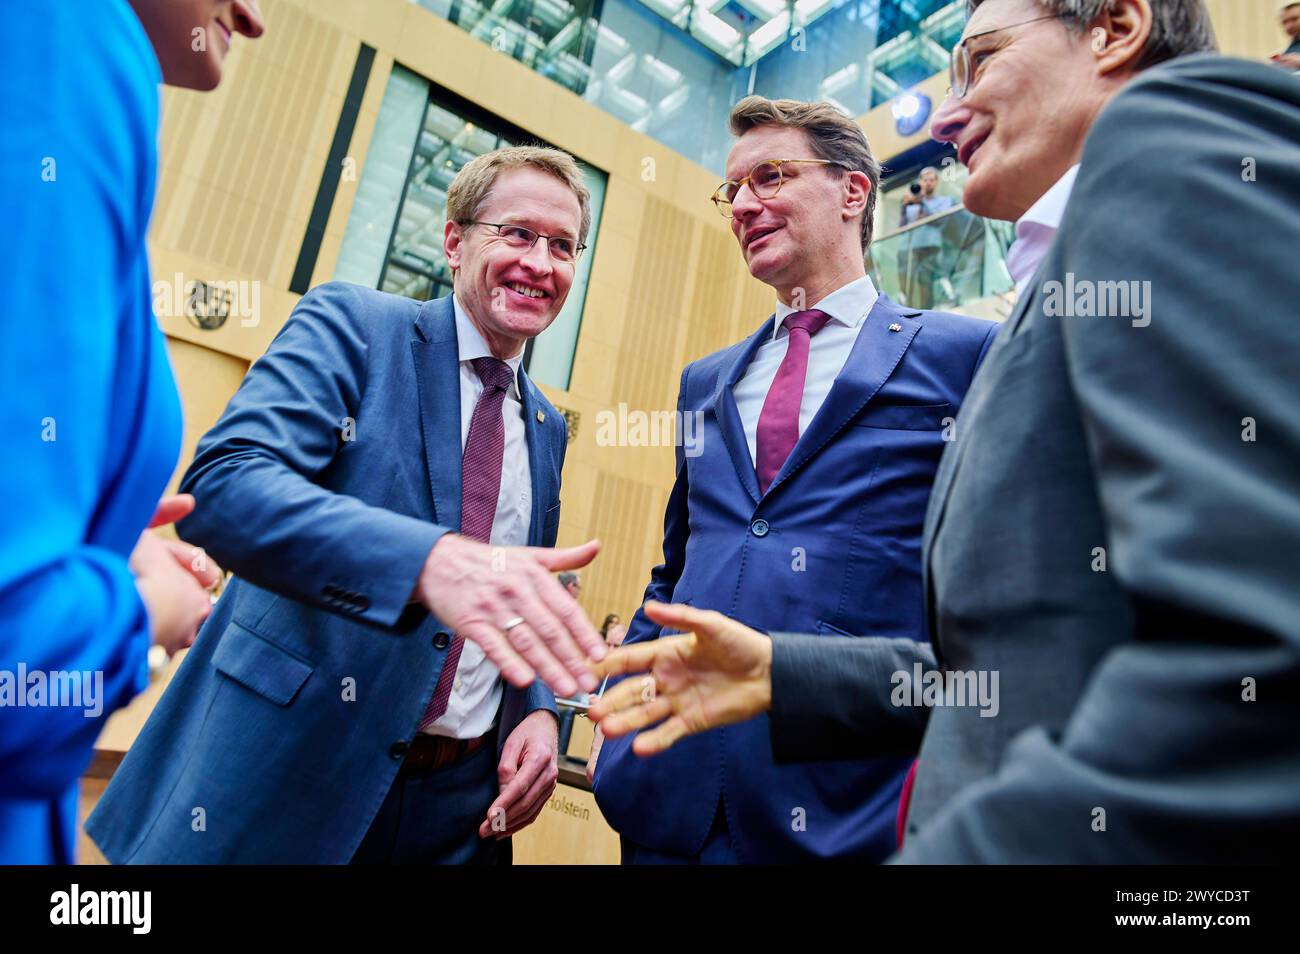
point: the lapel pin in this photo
(541, 418)
(895, 327)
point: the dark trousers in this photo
(433, 819)
(718, 848)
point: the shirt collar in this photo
(1036, 229)
(847, 305)
(470, 345)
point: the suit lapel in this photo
(726, 413)
(437, 371)
(540, 454)
(952, 454)
(873, 358)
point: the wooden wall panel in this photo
(1248, 28)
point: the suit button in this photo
(441, 640)
(398, 750)
(759, 528)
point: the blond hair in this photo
(473, 184)
(831, 134)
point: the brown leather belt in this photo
(428, 753)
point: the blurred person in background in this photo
(922, 248)
(1290, 57)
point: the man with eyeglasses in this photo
(382, 485)
(1114, 532)
(821, 433)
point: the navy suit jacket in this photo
(332, 473)
(833, 547)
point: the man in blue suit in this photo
(373, 484)
(821, 435)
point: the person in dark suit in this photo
(372, 485)
(819, 437)
(1113, 534)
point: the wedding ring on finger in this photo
(511, 624)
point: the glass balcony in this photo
(953, 261)
(673, 68)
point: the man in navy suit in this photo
(821, 436)
(377, 485)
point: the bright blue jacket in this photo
(90, 419)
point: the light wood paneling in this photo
(1250, 29)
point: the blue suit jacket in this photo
(833, 547)
(284, 724)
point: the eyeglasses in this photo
(562, 248)
(765, 181)
(961, 69)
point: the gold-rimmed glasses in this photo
(765, 181)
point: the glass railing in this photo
(672, 69)
(953, 261)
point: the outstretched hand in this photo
(718, 674)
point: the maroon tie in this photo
(480, 483)
(778, 424)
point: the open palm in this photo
(719, 673)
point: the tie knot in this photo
(494, 373)
(810, 321)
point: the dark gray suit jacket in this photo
(1116, 529)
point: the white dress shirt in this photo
(848, 307)
(476, 693)
(1036, 229)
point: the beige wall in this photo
(1248, 28)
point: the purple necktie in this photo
(778, 424)
(480, 483)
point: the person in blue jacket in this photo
(90, 423)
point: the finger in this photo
(573, 639)
(625, 695)
(173, 508)
(660, 738)
(685, 618)
(568, 558)
(529, 804)
(206, 574)
(525, 641)
(528, 811)
(495, 647)
(637, 717)
(508, 800)
(641, 657)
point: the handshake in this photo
(507, 600)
